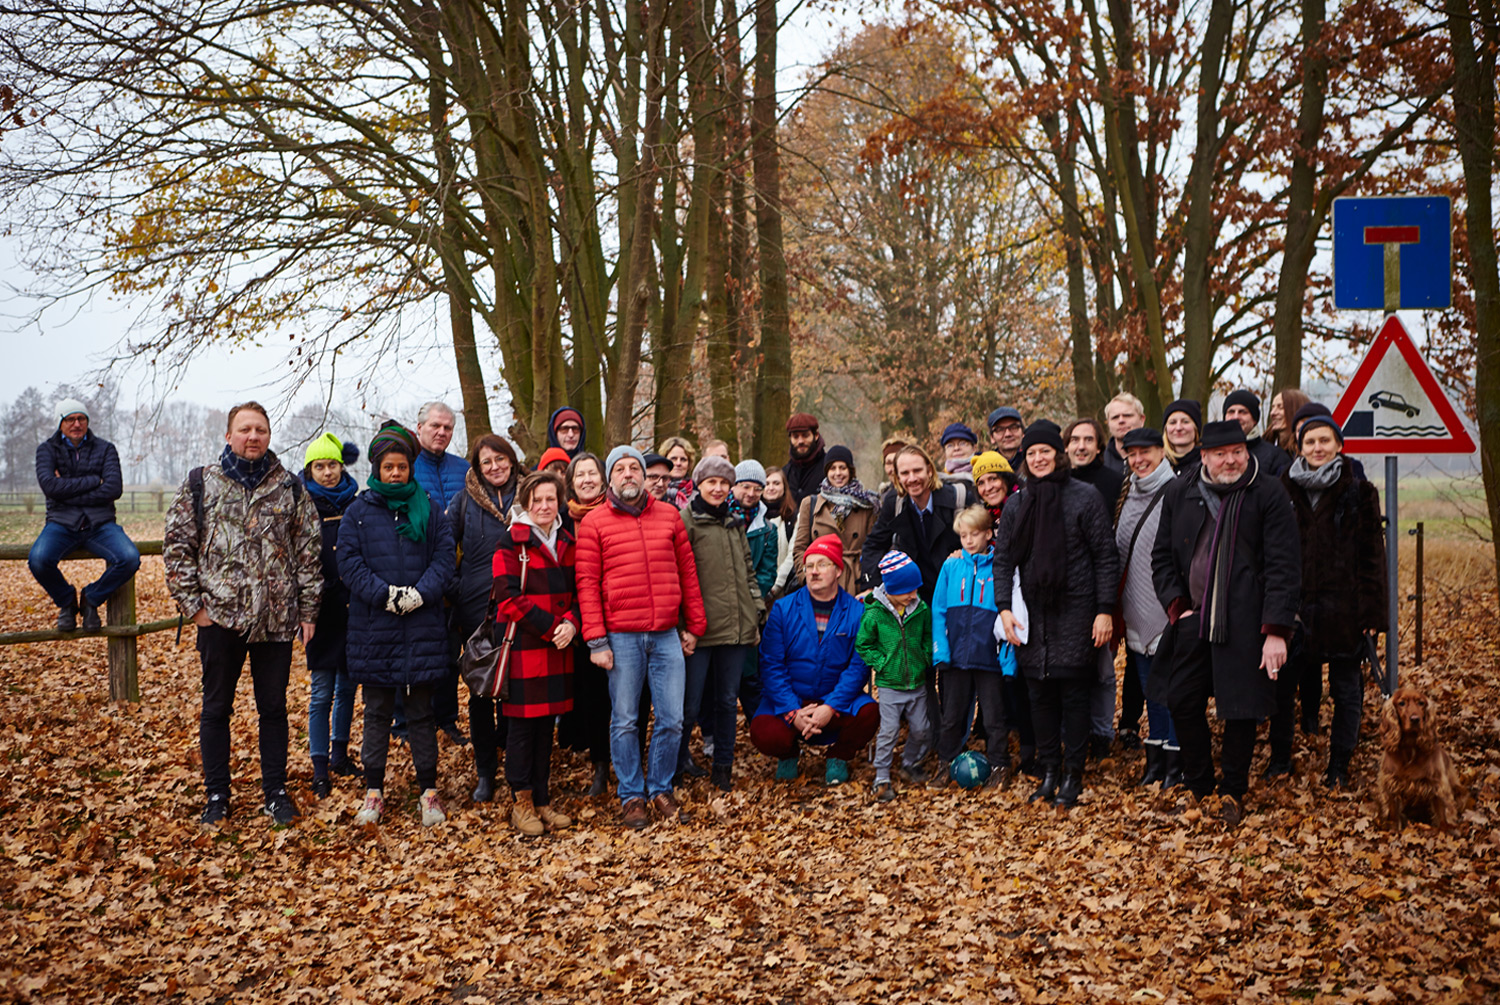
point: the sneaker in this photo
(216, 812)
(372, 809)
(786, 769)
(432, 808)
(67, 618)
(322, 787)
(91, 622)
(884, 792)
(280, 808)
(837, 772)
(452, 732)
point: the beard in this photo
(629, 492)
(802, 453)
(1225, 476)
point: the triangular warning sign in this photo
(1395, 405)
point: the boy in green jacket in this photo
(895, 640)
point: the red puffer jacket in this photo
(637, 574)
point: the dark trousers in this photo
(1345, 684)
(588, 723)
(1018, 704)
(1188, 703)
(487, 731)
(773, 735)
(961, 687)
(528, 756)
(223, 652)
(719, 704)
(1060, 718)
(1132, 701)
(1238, 748)
(380, 706)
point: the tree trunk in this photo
(1474, 120)
(774, 382)
(1302, 191)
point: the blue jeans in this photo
(725, 664)
(641, 657)
(332, 691)
(1158, 719)
(121, 560)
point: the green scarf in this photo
(409, 499)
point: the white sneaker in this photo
(432, 808)
(373, 807)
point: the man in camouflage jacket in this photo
(243, 562)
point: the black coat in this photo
(804, 478)
(1271, 457)
(1265, 582)
(1060, 641)
(81, 483)
(1343, 563)
(929, 541)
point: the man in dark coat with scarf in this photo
(1227, 566)
(804, 472)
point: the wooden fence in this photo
(120, 626)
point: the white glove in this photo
(410, 599)
(393, 599)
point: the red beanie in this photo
(552, 454)
(829, 546)
(801, 420)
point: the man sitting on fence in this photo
(80, 476)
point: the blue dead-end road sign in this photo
(1421, 229)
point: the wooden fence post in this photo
(123, 684)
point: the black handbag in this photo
(484, 665)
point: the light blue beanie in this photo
(618, 454)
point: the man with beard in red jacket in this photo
(637, 582)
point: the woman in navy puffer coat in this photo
(396, 556)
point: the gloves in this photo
(403, 600)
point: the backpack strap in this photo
(195, 486)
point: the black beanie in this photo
(1043, 431)
(1187, 406)
(1246, 398)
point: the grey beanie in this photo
(750, 470)
(618, 454)
(71, 406)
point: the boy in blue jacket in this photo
(969, 662)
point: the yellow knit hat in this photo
(325, 448)
(989, 463)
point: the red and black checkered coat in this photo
(541, 675)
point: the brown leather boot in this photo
(668, 808)
(523, 816)
(553, 820)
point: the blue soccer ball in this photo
(969, 769)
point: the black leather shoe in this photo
(67, 618)
(91, 621)
(1048, 789)
(723, 777)
(692, 769)
(484, 791)
(601, 779)
(1069, 791)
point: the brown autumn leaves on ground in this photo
(778, 893)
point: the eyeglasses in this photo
(657, 478)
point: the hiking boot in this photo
(836, 772)
(217, 810)
(668, 808)
(67, 618)
(553, 820)
(600, 784)
(280, 808)
(635, 816)
(484, 790)
(372, 809)
(452, 732)
(786, 769)
(723, 777)
(432, 808)
(91, 622)
(523, 816)
(884, 792)
(322, 787)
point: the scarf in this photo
(954, 465)
(578, 510)
(1224, 505)
(1039, 541)
(549, 540)
(479, 492)
(245, 472)
(339, 497)
(407, 498)
(814, 454)
(1316, 481)
(629, 509)
(847, 499)
(721, 513)
(1157, 479)
(738, 511)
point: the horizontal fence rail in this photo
(120, 626)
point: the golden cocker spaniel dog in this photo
(1418, 780)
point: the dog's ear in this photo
(1428, 733)
(1390, 724)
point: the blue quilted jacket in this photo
(386, 649)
